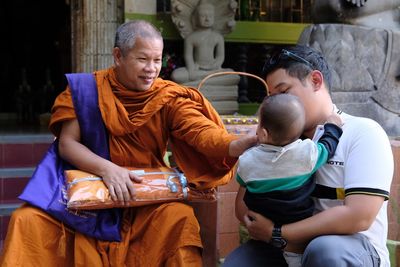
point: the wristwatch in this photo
(276, 239)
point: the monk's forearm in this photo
(81, 157)
(220, 143)
(238, 146)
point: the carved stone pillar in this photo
(93, 25)
(241, 65)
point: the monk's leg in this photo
(165, 234)
(88, 253)
(185, 256)
(36, 239)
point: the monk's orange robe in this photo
(141, 125)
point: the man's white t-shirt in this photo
(362, 164)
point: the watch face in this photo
(278, 242)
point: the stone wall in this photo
(393, 207)
(364, 63)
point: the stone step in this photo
(23, 150)
(19, 155)
(7, 209)
(12, 182)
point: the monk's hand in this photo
(134, 177)
(119, 183)
(259, 227)
(238, 146)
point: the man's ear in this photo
(117, 54)
(317, 79)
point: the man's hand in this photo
(119, 183)
(259, 227)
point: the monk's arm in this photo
(116, 178)
(72, 150)
(238, 146)
(189, 124)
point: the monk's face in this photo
(138, 69)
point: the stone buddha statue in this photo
(202, 25)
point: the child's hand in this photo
(335, 119)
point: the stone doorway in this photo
(43, 40)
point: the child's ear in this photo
(263, 136)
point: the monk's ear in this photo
(317, 79)
(117, 54)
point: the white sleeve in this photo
(369, 164)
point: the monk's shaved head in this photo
(128, 32)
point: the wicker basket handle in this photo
(233, 72)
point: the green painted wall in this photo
(245, 31)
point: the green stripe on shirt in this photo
(284, 183)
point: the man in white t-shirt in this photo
(349, 227)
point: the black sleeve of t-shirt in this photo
(330, 138)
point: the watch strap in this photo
(277, 231)
(276, 239)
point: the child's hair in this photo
(283, 116)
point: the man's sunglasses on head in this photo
(284, 54)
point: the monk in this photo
(143, 114)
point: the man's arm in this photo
(369, 167)
(356, 215)
(117, 179)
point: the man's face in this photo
(138, 69)
(279, 82)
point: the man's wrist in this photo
(276, 238)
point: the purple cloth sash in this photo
(47, 189)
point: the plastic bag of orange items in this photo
(87, 191)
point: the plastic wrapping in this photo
(87, 191)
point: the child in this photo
(276, 176)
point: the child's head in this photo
(281, 119)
